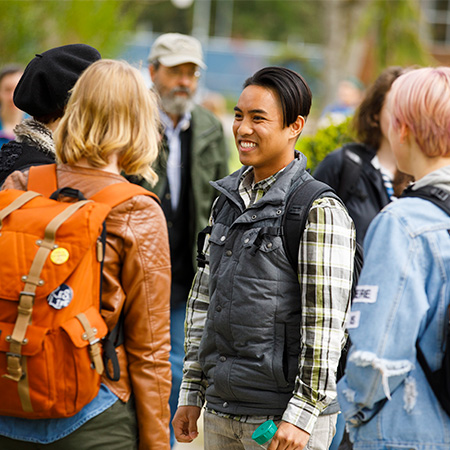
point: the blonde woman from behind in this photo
(110, 127)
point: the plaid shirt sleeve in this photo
(325, 264)
(193, 386)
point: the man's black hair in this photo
(294, 94)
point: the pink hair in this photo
(420, 99)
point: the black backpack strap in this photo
(434, 194)
(351, 171)
(114, 339)
(201, 257)
(296, 213)
(294, 221)
(440, 379)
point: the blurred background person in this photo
(42, 92)
(216, 103)
(364, 173)
(350, 93)
(193, 153)
(10, 115)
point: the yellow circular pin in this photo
(59, 256)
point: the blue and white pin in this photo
(60, 297)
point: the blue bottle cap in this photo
(264, 432)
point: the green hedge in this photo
(316, 147)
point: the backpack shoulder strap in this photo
(438, 380)
(218, 205)
(350, 172)
(117, 193)
(296, 213)
(201, 258)
(434, 194)
(43, 179)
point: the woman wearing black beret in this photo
(42, 92)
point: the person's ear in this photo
(297, 126)
(152, 70)
(404, 133)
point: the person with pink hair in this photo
(399, 318)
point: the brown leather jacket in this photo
(136, 277)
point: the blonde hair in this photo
(420, 99)
(110, 111)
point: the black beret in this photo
(45, 84)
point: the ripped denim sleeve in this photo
(387, 369)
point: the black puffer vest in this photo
(251, 343)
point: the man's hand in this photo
(185, 423)
(289, 437)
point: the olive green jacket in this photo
(209, 162)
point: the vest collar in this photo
(292, 174)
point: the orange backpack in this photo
(51, 328)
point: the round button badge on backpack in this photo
(60, 297)
(59, 256)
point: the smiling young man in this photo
(263, 342)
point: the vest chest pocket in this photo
(219, 234)
(266, 240)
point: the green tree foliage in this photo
(269, 20)
(28, 27)
(161, 16)
(278, 20)
(316, 147)
(393, 28)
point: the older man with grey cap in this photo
(193, 153)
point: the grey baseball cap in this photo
(172, 49)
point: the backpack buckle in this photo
(14, 367)
(440, 194)
(26, 302)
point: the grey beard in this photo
(175, 105)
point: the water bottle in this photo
(264, 432)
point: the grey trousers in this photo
(222, 433)
(113, 429)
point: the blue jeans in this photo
(221, 433)
(177, 317)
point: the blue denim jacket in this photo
(45, 431)
(403, 296)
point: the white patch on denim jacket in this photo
(366, 294)
(387, 368)
(353, 320)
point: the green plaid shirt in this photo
(325, 261)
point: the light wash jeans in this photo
(221, 433)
